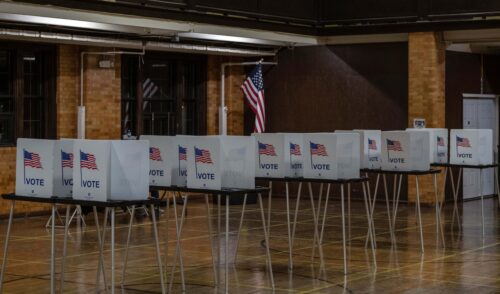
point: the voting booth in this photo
(370, 147)
(63, 168)
(471, 146)
(110, 170)
(163, 158)
(216, 162)
(438, 143)
(405, 151)
(331, 155)
(35, 168)
(279, 155)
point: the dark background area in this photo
(327, 88)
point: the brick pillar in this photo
(68, 90)
(102, 97)
(426, 95)
(234, 98)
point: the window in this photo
(27, 96)
(163, 94)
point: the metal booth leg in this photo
(370, 222)
(100, 239)
(112, 250)
(210, 236)
(315, 220)
(158, 254)
(482, 200)
(419, 216)
(269, 207)
(6, 245)
(290, 255)
(178, 248)
(439, 226)
(239, 228)
(266, 236)
(496, 181)
(226, 248)
(372, 209)
(297, 204)
(218, 239)
(65, 245)
(343, 228)
(53, 251)
(125, 260)
(391, 229)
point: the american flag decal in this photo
(87, 160)
(394, 145)
(295, 149)
(32, 159)
(202, 155)
(463, 142)
(66, 159)
(155, 154)
(182, 153)
(372, 144)
(318, 149)
(440, 141)
(266, 149)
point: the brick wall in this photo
(102, 100)
(234, 97)
(426, 95)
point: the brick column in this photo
(426, 95)
(234, 101)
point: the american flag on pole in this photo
(266, 149)
(394, 145)
(463, 142)
(202, 155)
(318, 149)
(295, 149)
(155, 154)
(32, 159)
(372, 144)
(182, 153)
(87, 160)
(440, 141)
(253, 88)
(66, 159)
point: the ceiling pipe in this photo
(74, 39)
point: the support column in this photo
(426, 94)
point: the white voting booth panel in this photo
(279, 155)
(438, 144)
(471, 146)
(370, 147)
(331, 155)
(163, 158)
(179, 168)
(34, 168)
(63, 168)
(110, 170)
(216, 162)
(405, 151)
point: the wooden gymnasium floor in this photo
(468, 264)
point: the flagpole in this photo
(258, 147)
(311, 154)
(195, 164)
(62, 169)
(24, 166)
(81, 174)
